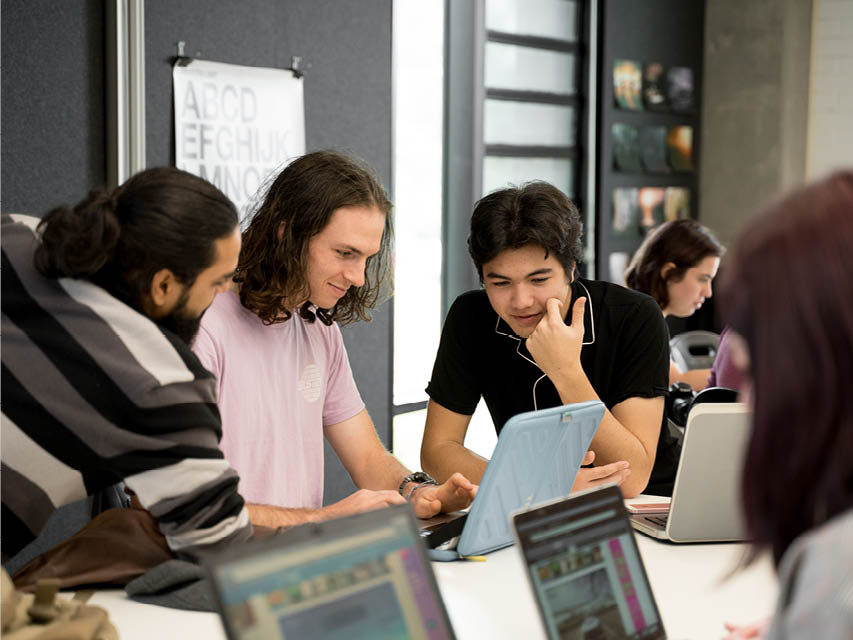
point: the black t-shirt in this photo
(480, 356)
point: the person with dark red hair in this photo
(788, 297)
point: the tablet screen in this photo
(586, 571)
(337, 582)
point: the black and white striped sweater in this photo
(94, 392)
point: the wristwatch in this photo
(418, 476)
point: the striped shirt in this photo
(94, 393)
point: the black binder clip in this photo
(182, 60)
(296, 66)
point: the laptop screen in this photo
(585, 568)
(360, 577)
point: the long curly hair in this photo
(272, 270)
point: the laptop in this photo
(585, 569)
(537, 457)
(364, 576)
(706, 504)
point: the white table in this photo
(492, 599)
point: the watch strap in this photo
(411, 491)
(418, 476)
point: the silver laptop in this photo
(706, 504)
(585, 569)
(365, 576)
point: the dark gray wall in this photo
(52, 127)
(347, 45)
(347, 106)
(53, 110)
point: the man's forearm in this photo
(384, 472)
(370, 465)
(442, 460)
(613, 441)
(180, 516)
(267, 516)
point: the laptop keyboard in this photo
(658, 520)
(439, 534)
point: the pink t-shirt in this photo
(278, 386)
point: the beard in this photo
(180, 322)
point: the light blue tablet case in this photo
(536, 459)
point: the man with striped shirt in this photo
(99, 385)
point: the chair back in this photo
(694, 349)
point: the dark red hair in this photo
(788, 290)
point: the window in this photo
(515, 112)
(531, 79)
(418, 62)
(511, 94)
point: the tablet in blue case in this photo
(536, 459)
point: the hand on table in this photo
(361, 501)
(597, 476)
(457, 493)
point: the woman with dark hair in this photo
(318, 248)
(788, 298)
(675, 265)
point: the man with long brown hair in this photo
(316, 254)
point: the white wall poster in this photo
(236, 125)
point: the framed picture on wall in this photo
(627, 84)
(617, 263)
(626, 148)
(679, 143)
(626, 213)
(651, 208)
(653, 150)
(676, 203)
(654, 87)
(680, 89)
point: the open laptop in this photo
(365, 576)
(585, 569)
(706, 505)
(537, 457)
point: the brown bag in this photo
(44, 617)
(115, 547)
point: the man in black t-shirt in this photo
(538, 336)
